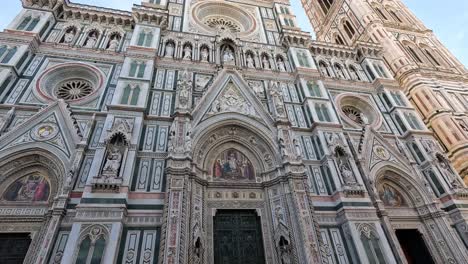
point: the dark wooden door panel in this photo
(238, 238)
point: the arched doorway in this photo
(415, 224)
(29, 182)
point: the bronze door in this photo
(238, 238)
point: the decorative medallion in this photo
(44, 132)
(381, 152)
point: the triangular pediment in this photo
(52, 127)
(376, 149)
(229, 93)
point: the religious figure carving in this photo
(113, 161)
(228, 56)
(281, 65)
(258, 89)
(285, 251)
(344, 167)
(92, 40)
(298, 149)
(114, 43)
(188, 141)
(169, 50)
(69, 36)
(266, 63)
(250, 61)
(204, 54)
(277, 98)
(232, 101)
(187, 53)
(184, 88)
(448, 172)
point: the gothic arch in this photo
(413, 190)
(234, 131)
(25, 161)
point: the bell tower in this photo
(431, 77)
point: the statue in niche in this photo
(187, 52)
(188, 141)
(281, 65)
(228, 56)
(283, 148)
(231, 164)
(390, 196)
(298, 149)
(92, 40)
(114, 157)
(169, 52)
(250, 61)
(284, 250)
(114, 43)
(344, 167)
(448, 172)
(266, 63)
(172, 138)
(258, 88)
(69, 35)
(184, 88)
(204, 54)
(277, 98)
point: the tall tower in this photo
(431, 77)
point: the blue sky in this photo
(448, 19)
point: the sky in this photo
(448, 19)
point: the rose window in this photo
(74, 89)
(76, 83)
(216, 16)
(222, 24)
(354, 114)
(357, 110)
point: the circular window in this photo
(356, 110)
(74, 89)
(219, 16)
(76, 83)
(354, 114)
(222, 24)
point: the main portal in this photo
(238, 238)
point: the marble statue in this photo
(204, 54)
(228, 56)
(281, 65)
(169, 50)
(187, 53)
(113, 161)
(266, 63)
(114, 44)
(69, 36)
(250, 61)
(91, 41)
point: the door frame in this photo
(265, 223)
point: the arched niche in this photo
(31, 178)
(412, 193)
(248, 147)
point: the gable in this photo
(52, 128)
(229, 93)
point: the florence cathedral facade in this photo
(218, 132)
